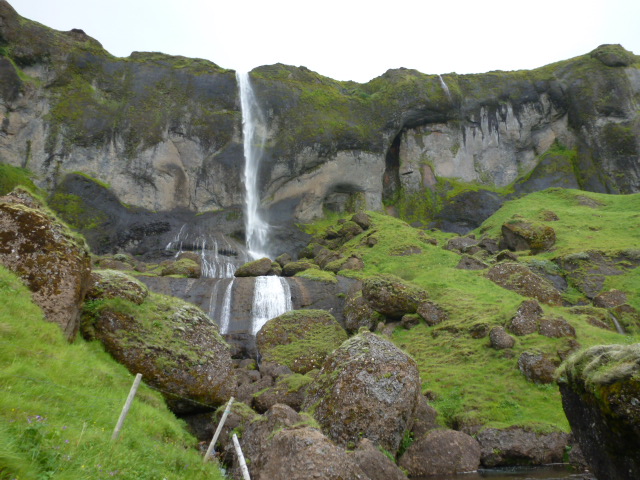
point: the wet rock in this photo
(375, 464)
(537, 367)
(610, 299)
(471, 263)
(517, 446)
(526, 319)
(300, 339)
(500, 339)
(600, 390)
(521, 235)
(556, 327)
(53, 263)
(257, 268)
(392, 296)
(366, 374)
(441, 452)
(431, 313)
(520, 279)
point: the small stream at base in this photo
(552, 472)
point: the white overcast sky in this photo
(351, 39)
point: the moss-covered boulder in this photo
(392, 296)
(520, 279)
(375, 464)
(184, 267)
(367, 388)
(288, 390)
(537, 367)
(52, 262)
(358, 313)
(600, 390)
(300, 339)
(115, 284)
(522, 235)
(291, 268)
(174, 344)
(256, 268)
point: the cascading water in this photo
(257, 229)
(272, 297)
(445, 87)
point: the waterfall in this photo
(225, 313)
(271, 297)
(619, 328)
(257, 229)
(444, 87)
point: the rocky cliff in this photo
(163, 133)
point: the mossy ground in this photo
(60, 403)
(11, 177)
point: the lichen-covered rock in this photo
(556, 327)
(174, 344)
(526, 319)
(288, 390)
(392, 296)
(291, 268)
(53, 263)
(300, 339)
(431, 313)
(500, 339)
(600, 390)
(537, 367)
(184, 267)
(520, 279)
(256, 268)
(517, 446)
(521, 235)
(610, 299)
(425, 418)
(115, 284)
(442, 452)
(366, 374)
(468, 262)
(358, 313)
(349, 230)
(362, 219)
(461, 244)
(375, 464)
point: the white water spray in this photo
(271, 297)
(445, 87)
(257, 229)
(225, 313)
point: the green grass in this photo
(60, 402)
(11, 177)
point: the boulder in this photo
(468, 262)
(53, 263)
(358, 313)
(288, 390)
(500, 339)
(392, 296)
(461, 244)
(185, 267)
(257, 268)
(349, 230)
(283, 259)
(174, 345)
(425, 418)
(521, 235)
(556, 327)
(517, 446)
(366, 374)
(610, 299)
(362, 219)
(291, 268)
(300, 339)
(114, 284)
(600, 390)
(431, 313)
(526, 319)
(520, 279)
(410, 320)
(537, 367)
(375, 464)
(441, 452)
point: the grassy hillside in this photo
(470, 382)
(60, 402)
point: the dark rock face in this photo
(442, 452)
(522, 280)
(43, 252)
(189, 359)
(300, 339)
(467, 211)
(392, 296)
(515, 446)
(600, 390)
(366, 374)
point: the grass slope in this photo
(470, 382)
(60, 402)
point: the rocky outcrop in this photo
(600, 390)
(52, 262)
(392, 296)
(520, 279)
(175, 346)
(520, 235)
(300, 339)
(366, 374)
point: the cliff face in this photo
(165, 132)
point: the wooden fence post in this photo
(218, 430)
(243, 464)
(127, 406)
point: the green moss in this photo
(11, 177)
(74, 211)
(319, 275)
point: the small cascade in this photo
(272, 297)
(445, 87)
(225, 310)
(619, 328)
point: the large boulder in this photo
(520, 279)
(358, 313)
(173, 344)
(517, 446)
(521, 235)
(441, 452)
(537, 367)
(366, 375)
(300, 339)
(52, 262)
(392, 296)
(256, 268)
(375, 464)
(527, 318)
(600, 390)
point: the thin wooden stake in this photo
(127, 406)
(243, 464)
(218, 430)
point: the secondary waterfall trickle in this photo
(257, 229)
(271, 297)
(445, 87)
